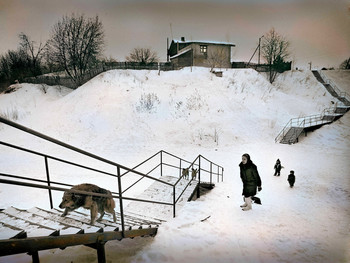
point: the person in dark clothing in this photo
(251, 181)
(291, 179)
(277, 168)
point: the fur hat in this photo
(292, 172)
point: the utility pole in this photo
(167, 49)
(259, 49)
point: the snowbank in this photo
(126, 116)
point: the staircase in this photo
(37, 222)
(332, 88)
(35, 229)
(32, 230)
(296, 126)
(158, 192)
(292, 135)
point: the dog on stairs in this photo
(185, 172)
(194, 173)
(96, 204)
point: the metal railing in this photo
(335, 87)
(308, 121)
(49, 184)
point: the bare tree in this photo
(76, 45)
(217, 59)
(345, 64)
(142, 55)
(33, 54)
(275, 51)
(13, 66)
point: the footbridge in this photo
(146, 196)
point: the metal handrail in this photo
(67, 146)
(54, 158)
(4, 181)
(118, 166)
(335, 87)
(306, 121)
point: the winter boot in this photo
(248, 200)
(245, 203)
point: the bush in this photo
(10, 115)
(195, 102)
(148, 102)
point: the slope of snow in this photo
(127, 116)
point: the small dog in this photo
(72, 201)
(194, 173)
(185, 172)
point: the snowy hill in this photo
(126, 116)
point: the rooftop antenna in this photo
(171, 31)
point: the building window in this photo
(203, 49)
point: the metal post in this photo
(161, 163)
(174, 204)
(211, 172)
(35, 257)
(180, 168)
(121, 201)
(101, 253)
(199, 177)
(48, 180)
(219, 174)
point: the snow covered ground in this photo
(127, 116)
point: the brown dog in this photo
(72, 201)
(194, 173)
(185, 173)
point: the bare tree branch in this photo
(32, 53)
(76, 45)
(142, 55)
(275, 49)
(217, 59)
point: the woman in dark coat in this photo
(251, 180)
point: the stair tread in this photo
(8, 231)
(32, 229)
(41, 220)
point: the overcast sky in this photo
(319, 30)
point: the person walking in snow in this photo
(277, 168)
(291, 179)
(250, 179)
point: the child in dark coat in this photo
(291, 179)
(277, 168)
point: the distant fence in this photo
(69, 83)
(263, 67)
(161, 66)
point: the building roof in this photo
(204, 42)
(181, 53)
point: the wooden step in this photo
(38, 219)
(79, 220)
(70, 219)
(161, 193)
(31, 229)
(8, 232)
